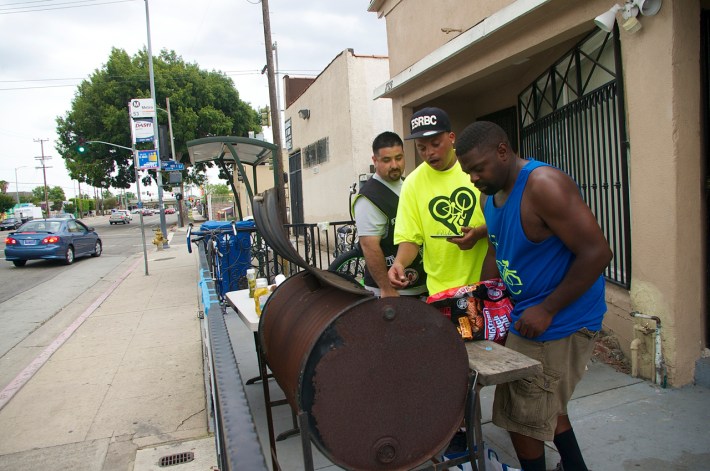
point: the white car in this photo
(120, 215)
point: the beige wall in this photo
(264, 181)
(341, 109)
(667, 180)
(663, 103)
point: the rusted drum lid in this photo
(385, 385)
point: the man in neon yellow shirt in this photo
(437, 200)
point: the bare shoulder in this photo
(546, 182)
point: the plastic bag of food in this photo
(480, 311)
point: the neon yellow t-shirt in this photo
(434, 202)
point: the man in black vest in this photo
(375, 209)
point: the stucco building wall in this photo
(343, 111)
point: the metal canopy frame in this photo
(240, 151)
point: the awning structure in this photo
(233, 149)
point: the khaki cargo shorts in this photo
(531, 407)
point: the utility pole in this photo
(172, 151)
(42, 158)
(282, 139)
(81, 208)
(275, 114)
(159, 170)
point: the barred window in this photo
(287, 132)
(316, 153)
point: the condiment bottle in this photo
(251, 280)
(261, 290)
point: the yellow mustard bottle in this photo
(262, 289)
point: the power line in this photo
(128, 78)
(31, 9)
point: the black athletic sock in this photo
(568, 448)
(538, 464)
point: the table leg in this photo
(259, 361)
(267, 402)
(291, 432)
(478, 430)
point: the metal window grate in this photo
(178, 458)
(581, 130)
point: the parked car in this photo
(120, 216)
(148, 212)
(52, 239)
(169, 210)
(10, 224)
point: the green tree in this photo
(110, 202)
(202, 104)
(55, 195)
(6, 202)
(218, 189)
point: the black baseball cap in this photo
(428, 122)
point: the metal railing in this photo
(236, 440)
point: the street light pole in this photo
(17, 190)
(158, 171)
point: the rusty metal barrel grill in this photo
(382, 381)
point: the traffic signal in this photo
(178, 196)
(81, 146)
(265, 115)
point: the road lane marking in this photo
(25, 375)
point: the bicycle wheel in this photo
(350, 263)
(210, 248)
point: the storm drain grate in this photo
(178, 458)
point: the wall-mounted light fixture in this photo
(629, 12)
(304, 113)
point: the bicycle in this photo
(349, 259)
(351, 264)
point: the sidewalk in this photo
(127, 380)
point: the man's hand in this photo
(471, 235)
(534, 321)
(396, 276)
(388, 292)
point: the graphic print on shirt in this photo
(509, 277)
(454, 211)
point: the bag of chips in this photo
(480, 311)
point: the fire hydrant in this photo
(159, 240)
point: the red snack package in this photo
(486, 305)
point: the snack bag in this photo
(480, 311)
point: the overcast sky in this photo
(47, 47)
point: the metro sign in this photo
(142, 108)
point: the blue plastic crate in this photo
(236, 253)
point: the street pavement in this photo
(126, 387)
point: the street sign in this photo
(147, 159)
(143, 130)
(171, 165)
(140, 205)
(142, 108)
